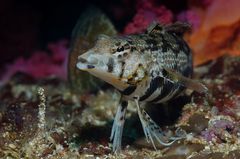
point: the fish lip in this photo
(84, 66)
(90, 66)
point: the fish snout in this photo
(86, 62)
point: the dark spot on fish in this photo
(110, 64)
(122, 70)
(154, 84)
(131, 80)
(164, 73)
(144, 113)
(165, 46)
(90, 66)
(130, 42)
(153, 35)
(151, 124)
(120, 49)
(113, 50)
(121, 118)
(134, 75)
(126, 46)
(129, 90)
(119, 56)
(123, 105)
(117, 43)
(148, 117)
(155, 48)
(151, 41)
(175, 51)
(142, 50)
(125, 54)
(133, 48)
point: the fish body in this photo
(152, 67)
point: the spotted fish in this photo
(152, 67)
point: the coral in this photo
(25, 135)
(57, 123)
(219, 129)
(78, 126)
(40, 64)
(218, 33)
(223, 79)
(147, 12)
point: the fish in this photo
(151, 67)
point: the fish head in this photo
(107, 59)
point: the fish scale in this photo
(152, 67)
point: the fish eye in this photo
(119, 56)
(120, 49)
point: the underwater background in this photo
(49, 109)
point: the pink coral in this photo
(218, 130)
(220, 23)
(41, 64)
(147, 12)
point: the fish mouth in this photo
(82, 64)
(85, 62)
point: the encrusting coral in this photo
(41, 64)
(147, 12)
(78, 126)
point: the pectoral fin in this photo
(184, 81)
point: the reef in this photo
(41, 64)
(48, 109)
(147, 12)
(44, 118)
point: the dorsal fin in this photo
(154, 28)
(178, 28)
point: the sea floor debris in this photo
(45, 119)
